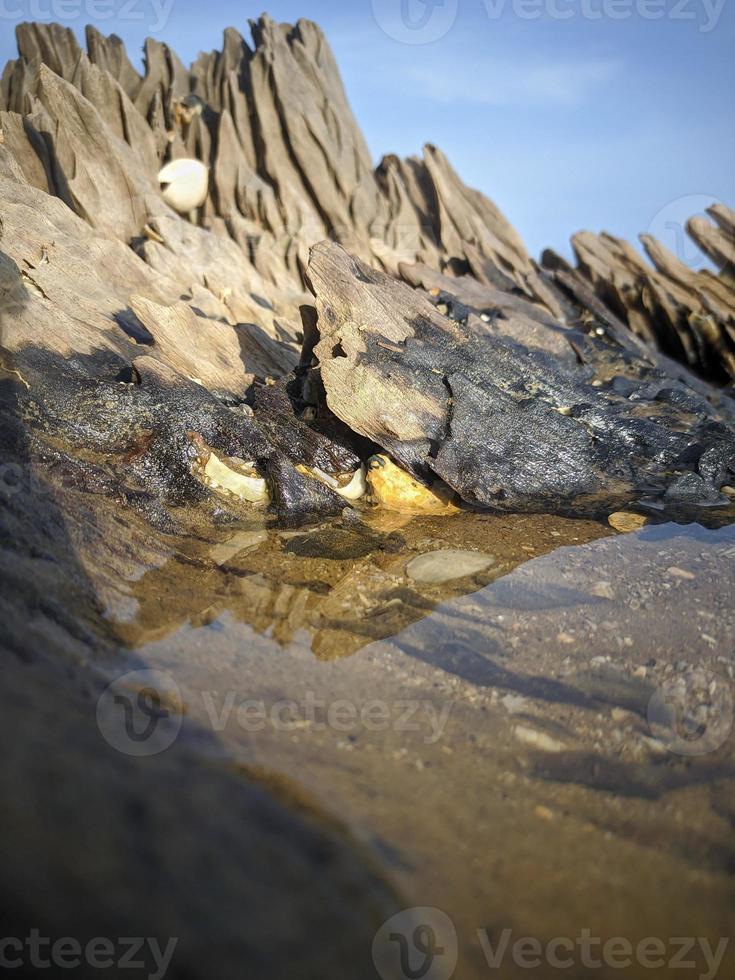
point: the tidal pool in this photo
(541, 748)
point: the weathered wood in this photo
(97, 269)
(686, 313)
(503, 426)
(289, 166)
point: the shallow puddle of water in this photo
(500, 741)
(346, 583)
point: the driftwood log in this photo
(150, 343)
(164, 372)
(504, 425)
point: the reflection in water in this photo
(345, 583)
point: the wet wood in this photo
(504, 426)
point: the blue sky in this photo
(606, 119)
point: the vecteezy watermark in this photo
(692, 713)
(422, 943)
(416, 944)
(319, 715)
(101, 953)
(669, 227)
(425, 21)
(415, 21)
(14, 479)
(140, 714)
(706, 13)
(595, 953)
(154, 14)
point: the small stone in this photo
(237, 544)
(653, 745)
(564, 638)
(627, 520)
(513, 703)
(544, 813)
(677, 572)
(539, 740)
(444, 566)
(396, 490)
(603, 590)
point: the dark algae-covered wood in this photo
(504, 426)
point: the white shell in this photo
(250, 488)
(184, 184)
(356, 488)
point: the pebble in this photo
(627, 520)
(242, 541)
(544, 813)
(513, 703)
(680, 573)
(653, 745)
(396, 490)
(539, 740)
(443, 566)
(603, 590)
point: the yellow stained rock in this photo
(394, 488)
(627, 520)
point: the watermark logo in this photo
(669, 226)
(139, 714)
(340, 715)
(421, 944)
(153, 14)
(706, 13)
(148, 955)
(425, 21)
(416, 944)
(591, 952)
(12, 479)
(692, 713)
(415, 21)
